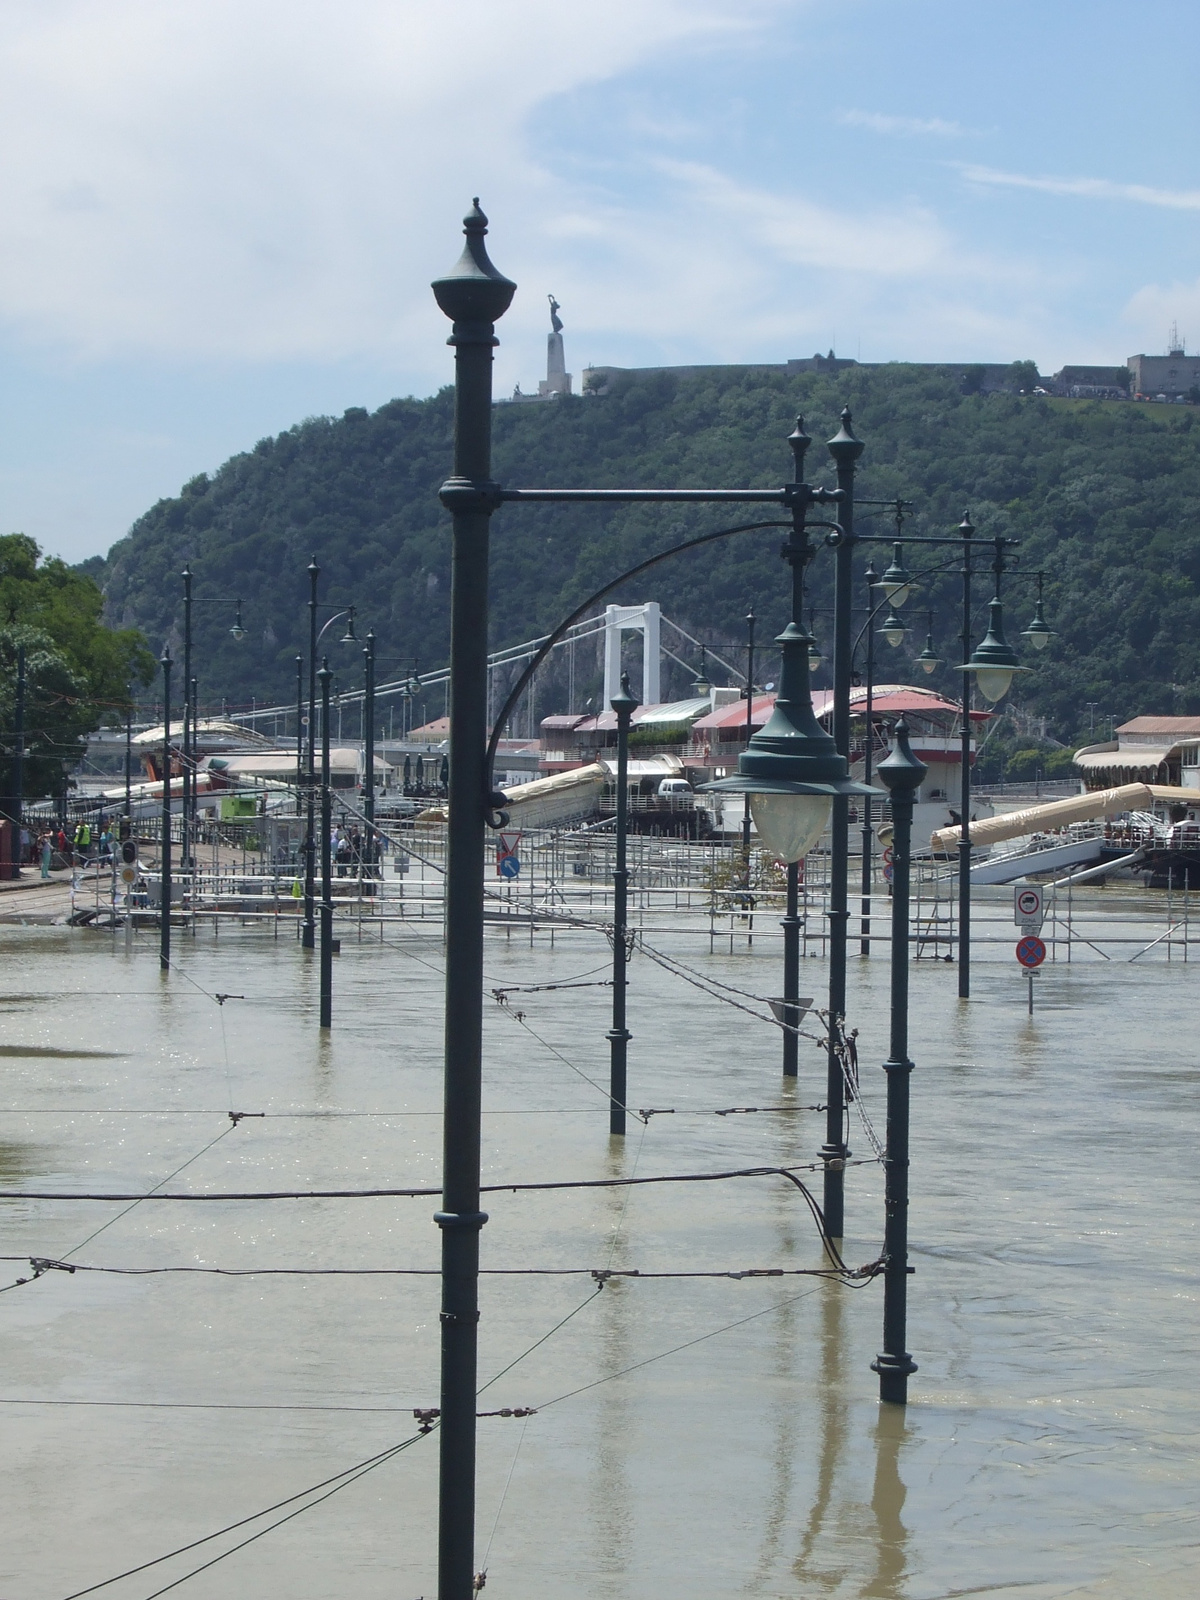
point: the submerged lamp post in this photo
(324, 675)
(624, 704)
(164, 912)
(902, 773)
(792, 772)
(473, 295)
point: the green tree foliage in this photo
(1104, 496)
(1024, 375)
(77, 669)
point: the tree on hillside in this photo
(78, 671)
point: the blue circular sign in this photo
(509, 866)
(1031, 952)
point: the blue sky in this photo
(218, 219)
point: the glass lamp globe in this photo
(238, 631)
(1038, 632)
(789, 825)
(893, 629)
(993, 682)
(929, 660)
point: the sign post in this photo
(1031, 952)
(1028, 910)
(508, 864)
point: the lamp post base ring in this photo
(460, 1219)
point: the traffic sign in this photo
(888, 856)
(1031, 952)
(508, 866)
(889, 872)
(509, 842)
(1028, 909)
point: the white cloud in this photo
(1086, 188)
(879, 122)
(278, 179)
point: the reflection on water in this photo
(887, 1502)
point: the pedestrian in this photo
(82, 841)
(342, 853)
(47, 848)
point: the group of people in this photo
(352, 850)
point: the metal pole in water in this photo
(326, 829)
(902, 773)
(164, 909)
(474, 295)
(624, 704)
(964, 828)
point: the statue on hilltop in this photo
(555, 319)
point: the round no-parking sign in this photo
(1031, 952)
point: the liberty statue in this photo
(557, 379)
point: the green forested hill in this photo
(1104, 496)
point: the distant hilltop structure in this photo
(1171, 377)
(557, 380)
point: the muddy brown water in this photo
(1049, 1447)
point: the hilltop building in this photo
(1175, 376)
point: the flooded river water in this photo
(696, 1438)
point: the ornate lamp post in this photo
(624, 704)
(474, 295)
(164, 917)
(793, 774)
(324, 676)
(902, 773)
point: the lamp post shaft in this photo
(369, 736)
(750, 621)
(618, 1036)
(868, 837)
(326, 885)
(189, 719)
(299, 735)
(308, 936)
(902, 773)
(129, 757)
(845, 449)
(474, 295)
(797, 551)
(164, 910)
(791, 972)
(964, 834)
(18, 763)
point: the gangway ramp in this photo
(1049, 859)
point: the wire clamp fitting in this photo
(426, 1419)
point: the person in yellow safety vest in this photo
(82, 840)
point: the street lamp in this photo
(896, 583)
(791, 770)
(902, 773)
(1039, 631)
(994, 662)
(164, 910)
(624, 704)
(894, 628)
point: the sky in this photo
(219, 218)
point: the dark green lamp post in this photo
(792, 772)
(473, 294)
(324, 676)
(624, 704)
(902, 773)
